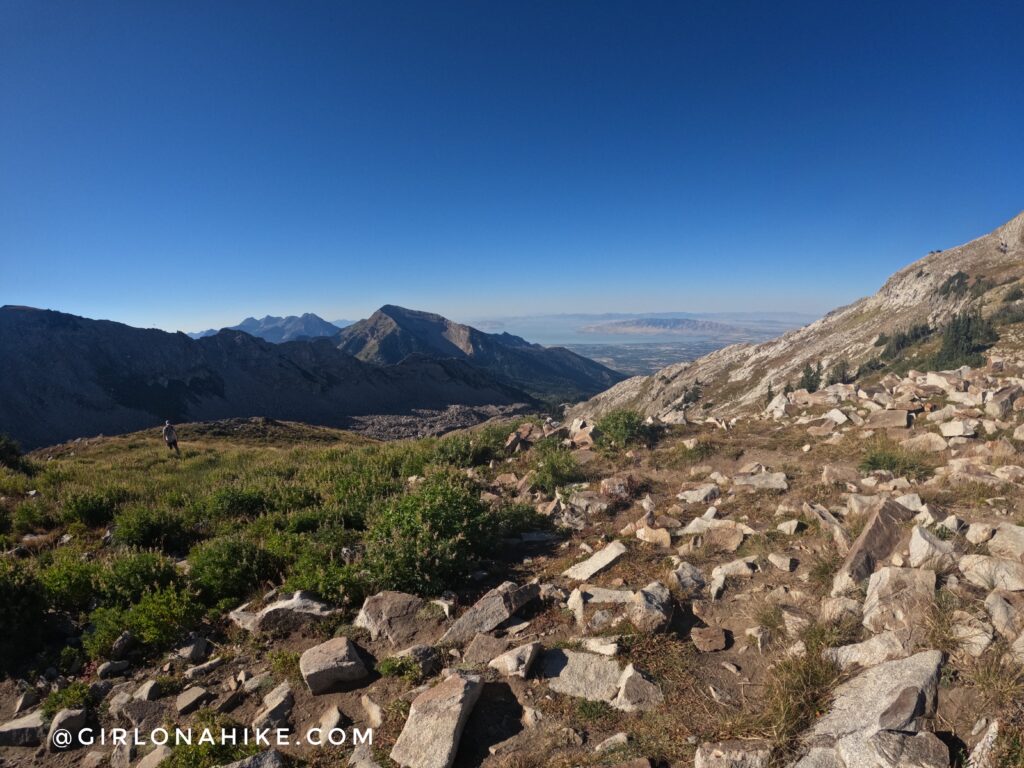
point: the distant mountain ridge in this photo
(683, 326)
(980, 276)
(277, 330)
(68, 376)
(393, 333)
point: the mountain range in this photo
(68, 376)
(648, 326)
(281, 329)
(392, 333)
(984, 276)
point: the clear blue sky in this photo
(184, 164)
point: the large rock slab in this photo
(894, 749)
(929, 551)
(993, 572)
(70, 720)
(636, 692)
(1008, 542)
(880, 648)
(391, 616)
(282, 616)
(330, 664)
(1006, 609)
(897, 599)
(895, 695)
(27, 731)
(583, 675)
(437, 717)
(890, 419)
(651, 608)
(490, 610)
(269, 759)
(597, 562)
(763, 481)
(878, 540)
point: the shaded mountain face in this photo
(280, 329)
(393, 333)
(977, 276)
(67, 376)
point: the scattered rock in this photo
(391, 616)
(330, 664)
(490, 610)
(597, 562)
(430, 737)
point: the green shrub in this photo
(157, 621)
(75, 696)
(554, 467)
(285, 665)
(330, 579)
(22, 599)
(69, 580)
(10, 455)
(810, 378)
(214, 752)
(31, 515)
(512, 519)
(955, 285)
(964, 339)
(149, 528)
(429, 539)
(840, 373)
(885, 455)
(230, 567)
(237, 502)
(1014, 294)
(1008, 315)
(901, 340)
(130, 575)
(400, 666)
(623, 428)
(92, 508)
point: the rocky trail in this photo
(837, 581)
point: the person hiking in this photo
(171, 437)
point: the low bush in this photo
(75, 696)
(964, 339)
(623, 428)
(237, 502)
(213, 752)
(554, 467)
(92, 508)
(11, 456)
(158, 620)
(69, 580)
(429, 539)
(151, 528)
(230, 568)
(22, 601)
(128, 576)
(885, 455)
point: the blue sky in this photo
(185, 164)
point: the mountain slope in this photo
(280, 329)
(393, 333)
(67, 376)
(976, 275)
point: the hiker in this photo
(171, 437)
